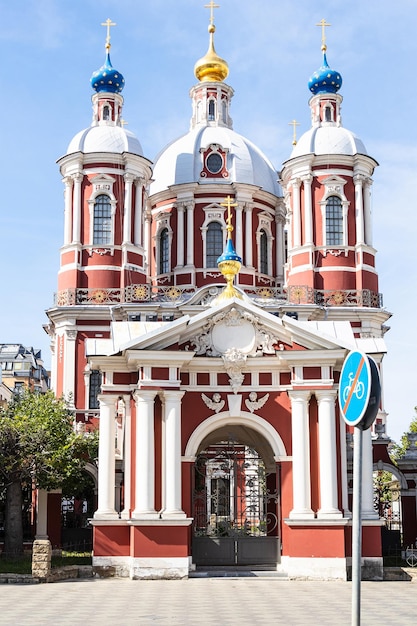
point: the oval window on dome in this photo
(214, 163)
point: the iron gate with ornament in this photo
(235, 508)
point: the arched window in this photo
(164, 251)
(328, 114)
(214, 243)
(263, 252)
(211, 111)
(102, 221)
(106, 113)
(94, 389)
(334, 221)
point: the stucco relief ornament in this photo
(234, 361)
(253, 404)
(215, 403)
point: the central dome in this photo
(181, 161)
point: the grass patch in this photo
(24, 564)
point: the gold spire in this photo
(108, 23)
(229, 263)
(323, 25)
(211, 68)
(229, 205)
(294, 125)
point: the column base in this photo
(108, 514)
(304, 514)
(329, 514)
(173, 514)
(147, 515)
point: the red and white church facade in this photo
(221, 442)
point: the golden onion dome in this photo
(211, 68)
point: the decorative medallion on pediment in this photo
(234, 330)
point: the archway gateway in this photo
(235, 507)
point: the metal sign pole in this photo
(357, 526)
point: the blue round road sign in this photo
(355, 387)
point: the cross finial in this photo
(229, 204)
(294, 124)
(323, 25)
(123, 123)
(109, 24)
(212, 6)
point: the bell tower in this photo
(328, 181)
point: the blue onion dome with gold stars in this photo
(325, 80)
(107, 78)
(229, 253)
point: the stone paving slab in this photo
(204, 602)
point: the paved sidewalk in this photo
(204, 602)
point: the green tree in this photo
(399, 449)
(38, 447)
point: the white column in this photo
(172, 464)
(358, 179)
(127, 214)
(239, 231)
(367, 211)
(127, 460)
(368, 511)
(180, 234)
(296, 218)
(343, 467)
(248, 260)
(144, 455)
(146, 240)
(308, 210)
(137, 229)
(327, 455)
(106, 459)
(68, 209)
(76, 232)
(300, 455)
(68, 383)
(190, 233)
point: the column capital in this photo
(359, 179)
(77, 177)
(144, 395)
(308, 178)
(171, 394)
(325, 394)
(68, 181)
(108, 399)
(302, 395)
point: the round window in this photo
(214, 162)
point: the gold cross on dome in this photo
(228, 203)
(109, 24)
(323, 25)
(212, 6)
(294, 124)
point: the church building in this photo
(205, 306)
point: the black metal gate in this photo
(235, 508)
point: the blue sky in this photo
(49, 49)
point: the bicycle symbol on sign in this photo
(359, 389)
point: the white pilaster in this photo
(180, 234)
(146, 239)
(248, 260)
(137, 229)
(300, 455)
(76, 232)
(68, 383)
(239, 231)
(127, 216)
(106, 459)
(127, 458)
(358, 179)
(172, 453)
(68, 209)
(343, 467)
(308, 213)
(367, 211)
(296, 218)
(190, 233)
(327, 455)
(144, 455)
(279, 248)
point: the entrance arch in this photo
(236, 504)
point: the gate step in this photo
(237, 572)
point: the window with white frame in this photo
(214, 243)
(211, 110)
(102, 221)
(334, 221)
(94, 389)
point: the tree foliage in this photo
(399, 449)
(38, 447)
